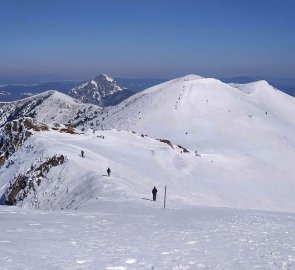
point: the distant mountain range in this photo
(12, 92)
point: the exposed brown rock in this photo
(22, 185)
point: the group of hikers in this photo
(154, 191)
(108, 170)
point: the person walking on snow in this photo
(109, 172)
(82, 153)
(154, 191)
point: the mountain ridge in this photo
(218, 145)
(49, 107)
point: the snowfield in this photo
(131, 236)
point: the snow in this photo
(108, 78)
(248, 137)
(134, 236)
(59, 108)
(28, 94)
(245, 142)
(94, 83)
(216, 218)
(83, 85)
(139, 163)
(202, 105)
(48, 107)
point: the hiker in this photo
(109, 172)
(82, 153)
(154, 191)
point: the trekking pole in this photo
(165, 198)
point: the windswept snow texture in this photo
(127, 236)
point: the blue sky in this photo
(70, 39)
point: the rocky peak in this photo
(102, 91)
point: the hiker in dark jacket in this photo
(109, 172)
(154, 191)
(82, 153)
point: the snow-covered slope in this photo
(48, 107)
(255, 124)
(244, 135)
(246, 130)
(102, 91)
(200, 111)
(138, 163)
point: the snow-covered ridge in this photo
(245, 141)
(180, 101)
(137, 164)
(251, 134)
(253, 87)
(49, 107)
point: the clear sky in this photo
(77, 39)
